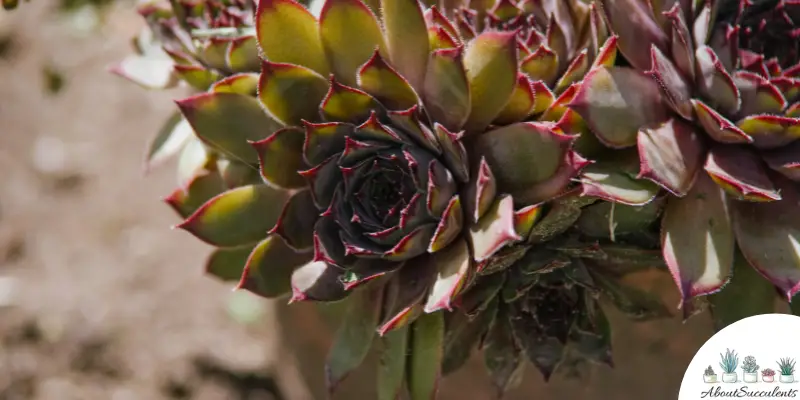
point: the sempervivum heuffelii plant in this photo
(402, 157)
(717, 132)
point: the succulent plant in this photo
(709, 371)
(703, 118)
(768, 372)
(729, 361)
(786, 366)
(749, 365)
(431, 167)
(176, 46)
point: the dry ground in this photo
(99, 299)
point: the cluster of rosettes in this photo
(478, 175)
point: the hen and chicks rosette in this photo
(716, 126)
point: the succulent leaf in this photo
(768, 235)
(227, 121)
(425, 358)
(281, 156)
(671, 155)
(350, 34)
(391, 369)
(490, 61)
(353, 338)
(615, 102)
(698, 241)
(236, 217)
(446, 92)
(283, 27)
(291, 93)
(269, 267)
(406, 38)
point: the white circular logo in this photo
(755, 358)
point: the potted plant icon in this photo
(729, 362)
(750, 369)
(786, 366)
(709, 376)
(768, 375)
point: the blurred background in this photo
(100, 299)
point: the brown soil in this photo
(100, 299)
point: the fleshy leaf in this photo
(715, 82)
(325, 140)
(269, 268)
(542, 65)
(446, 90)
(480, 192)
(607, 220)
(441, 188)
(281, 156)
(242, 54)
(718, 127)
(670, 155)
(405, 294)
(606, 55)
(350, 34)
(354, 336)
(673, 86)
(392, 365)
(194, 159)
(770, 131)
(236, 217)
(574, 73)
(246, 83)
(196, 76)
(522, 101)
(759, 96)
(381, 81)
(291, 93)
(747, 294)
(739, 171)
(296, 223)
(285, 26)
(227, 121)
(317, 281)
(494, 230)
(525, 219)
(697, 241)
(228, 264)
(170, 139)
(785, 160)
(450, 226)
(523, 155)
(407, 38)
(617, 102)
(544, 98)
(608, 182)
(454, 155)
(200, 188)
(632, 21)
(453, 270)
(425, 357)
(682, 46)
(491, 65)
(347, 104)
(769, 236)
